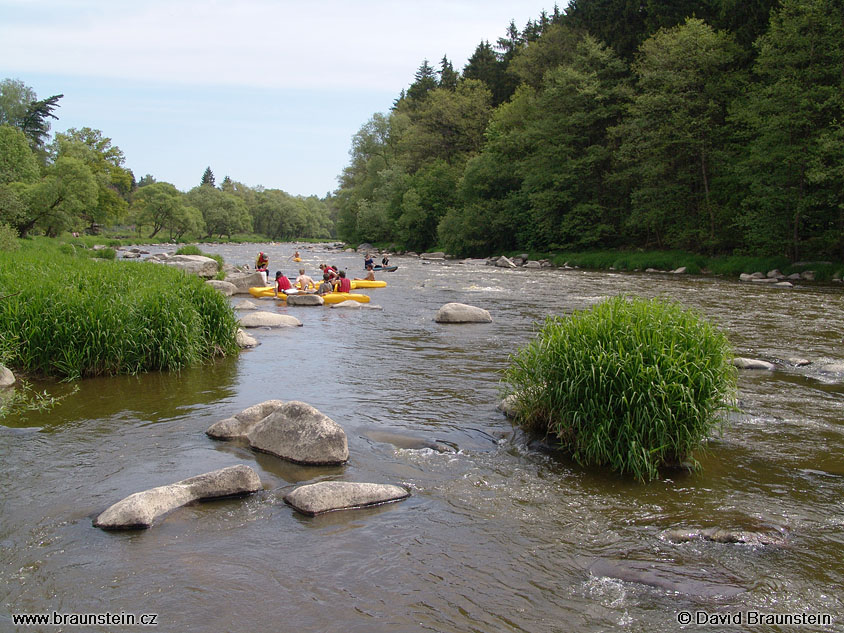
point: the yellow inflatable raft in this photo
(331, 297)
(365, 283)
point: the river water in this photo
(502, 535)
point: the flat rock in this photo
(436, 255)
(462, 313)
(7, 378)
(245, 304)
(299, 433)
(139, 510)
(328, 496)
(226, 287)
(353, 305)
(752, 363)
(241, 423)
(244, 340)
(305, 300)
(784, 284)
(269, 319)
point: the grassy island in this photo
(68, 315)
(630, 384)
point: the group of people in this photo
(333, 279)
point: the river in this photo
(502, 535)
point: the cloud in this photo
(359, 45)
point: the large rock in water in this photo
(244, 340)
(269, 319)
(225, 287)
(327, 496)
(462, 313)
(241, 423)
(299, 433)
(141, 509)
(243, 282)
(305, 300)
(752, 363)
(192, 264)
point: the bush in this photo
(85, 318)
(8, 238)
(631, 384)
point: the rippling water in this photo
(501, 536)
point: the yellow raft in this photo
(365, 283)
(331, 297)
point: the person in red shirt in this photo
(343, 284)
(282, 283)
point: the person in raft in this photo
(343, 284)
(262, 265)
(295, 257)
(368, 261)
(304, 282)
(370, 276)
(326, 286)
(282, 283)
(330, 270)
(385, 261)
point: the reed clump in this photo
(73, 316)
(631, 384)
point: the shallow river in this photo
(499, 536)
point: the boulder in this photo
(504, 262)
(808, 275)
(139, 510)
(191, 264)
(799, 362)
(244, 340)
(7, 378)
(795, 277)
(244, 281)
(269, 319)
(241, 423)
(462, 313)
(327, 496)
(508, 406)
(533, 264)
(775, 274)
(299, 433)
(758, 275)
(304, 300)
(679, 271)
(752, 363)
(745, 277)
(353, 305)
(784, 284)
(226, 287)
(245, 304)
(131, 255)
(437, 255)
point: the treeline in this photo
(714, 127)
(78, 182)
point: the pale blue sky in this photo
(268, 92)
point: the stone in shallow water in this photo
(462, 313)
(752, 363)
(241, 423)
(299, 433)
(269, 319)
(139, 510)
(328, 496)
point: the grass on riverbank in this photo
(71, 316)
(630, 384)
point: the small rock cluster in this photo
(293, 431)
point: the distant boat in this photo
(386, 269)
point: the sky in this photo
(267, 92)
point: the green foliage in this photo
(17, 161)
(629, 384)
(8, 238)
(86, 318)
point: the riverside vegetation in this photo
(67, 315)
(631, 384)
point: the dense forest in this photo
(78, 182)
(715, 127)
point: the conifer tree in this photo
(207, 177)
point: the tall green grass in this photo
(629, 384)
(73, 316)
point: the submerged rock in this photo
(245, 304)
(832, 368)
(328, 496)
(299, 433)
(752, 363)
(721, 535)
(241, 423)
(269, 319)
(139, 510)
(244, 340)
(462, 313)
(350, 304)
(409, 442)
(663, 577)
